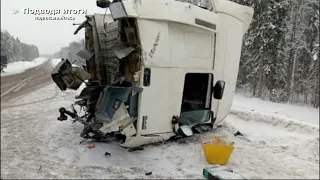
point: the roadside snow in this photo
(270, 151)
(20, 66)
(35, 145)
(304, 114)
(55, 62)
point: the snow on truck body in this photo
(162, 62)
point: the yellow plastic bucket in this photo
(217, 150)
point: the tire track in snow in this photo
(18, 88)
(25, 146)
(32, 118)
(44, 70)
(30, 149)
(37, 77)
(57, 93)
(53, 99)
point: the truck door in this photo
(154, 111)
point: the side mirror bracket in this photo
(218, 89)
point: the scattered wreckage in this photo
(152, 68)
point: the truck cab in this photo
(160, 68)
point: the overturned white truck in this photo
(155, 69)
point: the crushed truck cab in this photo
(155, 69)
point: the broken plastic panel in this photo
(186, 131)
(112, 98)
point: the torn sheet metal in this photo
(75, 77)
(121, 50)
(85, 54)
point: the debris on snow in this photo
(90, 146)
(136, 149)
(107, 153)
(40, 168)
(220, 173)
(238, 133)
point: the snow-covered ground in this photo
(20, 66)
(35, 145)
(55, 61)
(305, 114)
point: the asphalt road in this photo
(17, 85)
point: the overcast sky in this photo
(48, 35)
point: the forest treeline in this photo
(280, 55)
(15, 50)
(70, 52)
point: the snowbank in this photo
(302, 113)
(20, 66)
(55, 62)
(290, 124)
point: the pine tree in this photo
(15, 50)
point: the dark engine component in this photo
(112, 53)
(58, 73)
(68, 77)
(63, 113)
(62, 116)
